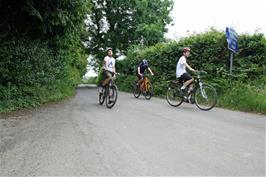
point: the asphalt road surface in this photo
(135, 137)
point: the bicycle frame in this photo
(199, 84)
(109, 84)
(144, 86)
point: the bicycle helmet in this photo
(145, 62)
(186, 49)
(109, 49)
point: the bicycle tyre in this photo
(173, 96)
(136, 90)
(101, 98)
(111, 103)
(149, 92)
(207, 98)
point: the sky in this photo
(245, 16)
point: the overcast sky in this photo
(245, 16)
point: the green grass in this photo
(244, 97)
(30, 97)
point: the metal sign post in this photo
(231, 62)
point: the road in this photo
(135, 137)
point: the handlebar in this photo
(201, 72)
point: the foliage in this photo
(90, 80)
(41, 50)
(120, 24)
(209, 53)
(245, 97)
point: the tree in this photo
(41, 50)
(120, 24)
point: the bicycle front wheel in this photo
(173, 96)
(136, 90)
(205, 97)
(149, 91)
(101, 98)
(111, 96)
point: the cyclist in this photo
(181, 72)
(108, 69)
(141, 69)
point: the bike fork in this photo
(203, 93)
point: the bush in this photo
(209, 53)
(41, 50)
(244, 97)
(32, 73)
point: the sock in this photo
(183, 87)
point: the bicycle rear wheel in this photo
(111, 96)
(205, 97)
(149, 91)
(173, 96)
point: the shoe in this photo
(190, 99)
(100, 89)
(186, 99)
(144, 93)
(182, 92)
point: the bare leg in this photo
(188, 82)
(140, 81)
(106, 81)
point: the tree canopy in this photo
(120, 24)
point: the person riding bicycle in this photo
(141, 69)
(108, 68)
(181, 72)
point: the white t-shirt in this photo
(181, 66)
(110, 62)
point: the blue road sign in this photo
(231, 37)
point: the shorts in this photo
(107, 74)
(185, 77)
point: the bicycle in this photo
(145, 88)
(109, 94)
(203, 95)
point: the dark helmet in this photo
(145, 62)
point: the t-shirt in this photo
(110, 62)
(142, 67)
(181, 66)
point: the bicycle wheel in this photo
(173, 96)
(111, 96)
(101, 98)
(205, 97)
(136, 90)
(149, 91)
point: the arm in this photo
(191, 69)
(150, 71)
(184, 61)
(139, 71)
(105, 64)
